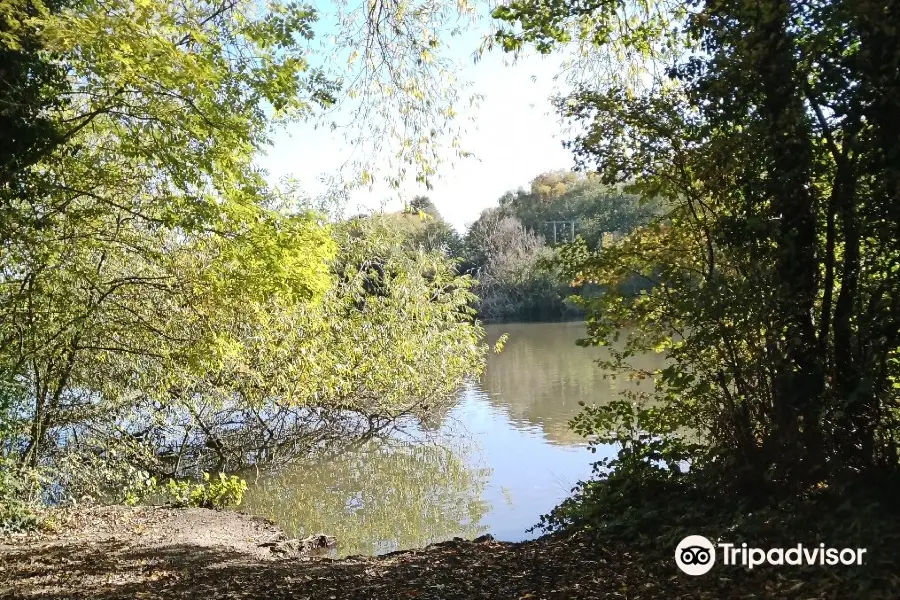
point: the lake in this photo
(493, 463)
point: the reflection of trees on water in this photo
(542, 375)
(386, 496)
(396, 494)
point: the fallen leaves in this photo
(552, 568)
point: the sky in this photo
(514, 138)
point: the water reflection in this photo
(541, 376)
(387, 496)
(494, 462)
(528, 475)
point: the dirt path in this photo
(159, 553)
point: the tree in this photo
(770, 282)
(33, 86)
(391, 340)
(513, 267)
(153, 167)
(422, 227)
(403, 90)
(580, 202)
(155, 291)
(509, 250)
(423, 204)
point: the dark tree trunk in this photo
(787, 144)
(857, 364)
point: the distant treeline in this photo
(511, 249)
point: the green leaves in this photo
(220, 493)
(153, 292)
(144, 234)
(283, 256)
(770, 191)
(626, 44)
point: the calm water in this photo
(495, 462)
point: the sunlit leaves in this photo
(278, 255)
(614, 43)
(401, 86)
(146, 231)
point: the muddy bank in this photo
(158, 553)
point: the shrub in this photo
(16, 517)
(219, 494)
(654, 459)
(17, 511)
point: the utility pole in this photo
(568, 224)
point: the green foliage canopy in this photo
(771, 283)
(165, 310)
(593, 208)
(512, 247)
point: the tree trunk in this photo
(787, 143)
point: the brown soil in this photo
(161, 553)
(155, 527)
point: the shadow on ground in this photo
(114, 570)
(549, 568)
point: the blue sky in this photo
(514, 136)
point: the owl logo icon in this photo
(695, 555)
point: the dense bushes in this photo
(662, 486)
(17, 500)
(514, 267)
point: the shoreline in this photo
(156, 553)
(118, 552)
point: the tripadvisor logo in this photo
(696, 555)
